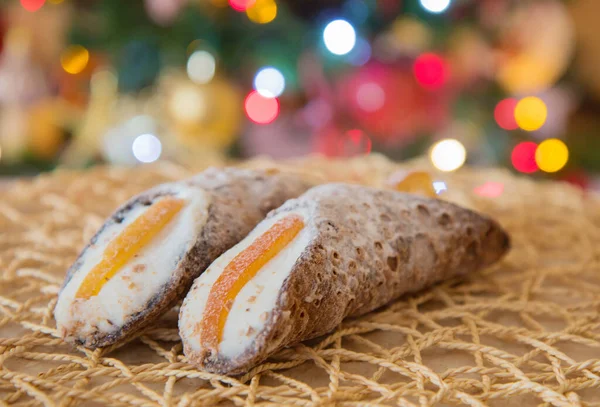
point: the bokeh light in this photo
(339, 37)
(551, 155)
(188, 104)
(448, 155)
(531, 113)
(435, 6)
(74, 59)
(523, 157)
(504, 113)
(241, 5)
(201, 67)
(317, 113)
(361, 53)
(370, 97)
(260, 109)
(354, 142)
(262, 11)
(430, 71)
(439, 187)
(490, 189)
(32, 5)
(269, 82)
(146, 148)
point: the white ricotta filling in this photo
(130, 290)
(251, 307)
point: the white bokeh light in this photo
(448, 155)
(370, 97)
(435, 6)
(339, 37)
(146, 148)
(439, 187)
(269, 82)
(201, 67)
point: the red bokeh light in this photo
(430, 71)
(490, 189)
(260, 109)
(354, 142)
(332, 142)
(523, 157)
(504, 113)
(32, 5)
(241, 5)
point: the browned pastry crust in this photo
(370, 247)
(239, 199)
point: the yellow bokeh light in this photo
(551, 155)
(531, 113)
(74, 59)
(448, 155)
(262, 11)
(55, 1)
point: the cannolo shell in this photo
(370, 246)
(239, 199)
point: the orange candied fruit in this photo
(128, 243)
(412, 182)
(239, 271)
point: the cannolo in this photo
(337, 251)
(147, 254)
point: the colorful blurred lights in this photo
(188, 104)
(32, 5)
(504, 113)
(439, 187)
(260, 109)
(551, 155)
(74, 59)
(531, 113)
(262, 11)
(355, 142)
(430, 71)
(523, 157)
(448, 155)
(360, 54)
(241, 5)
(435, 6)
(146, 148)
(201, 67)
(370, 97)
(269, 82)
(339, 37)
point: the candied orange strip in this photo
(129, 242)
(416, 182)
(239, 271)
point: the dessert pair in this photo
(262, 279)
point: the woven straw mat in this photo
(524, 332)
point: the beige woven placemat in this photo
(525, 332)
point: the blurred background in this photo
(485, 82)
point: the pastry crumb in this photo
(138, 268)
(252, 299)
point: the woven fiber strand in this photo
(524, 332)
